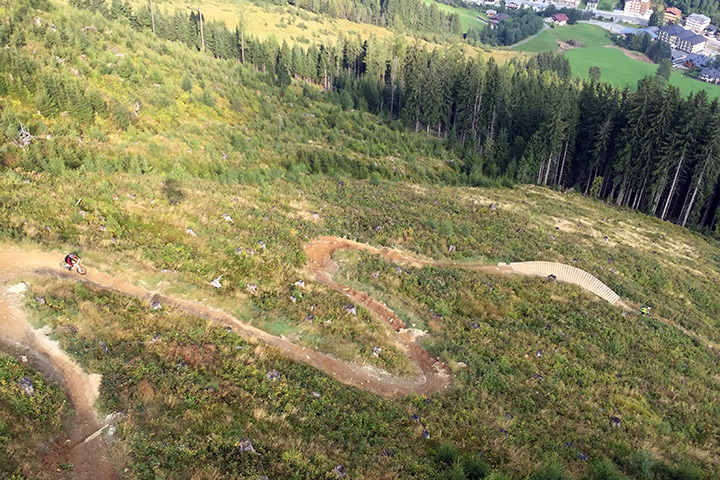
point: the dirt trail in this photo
(90, 458)
(432, 375)
(320, 263)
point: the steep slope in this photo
(170, 169)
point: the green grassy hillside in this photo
(588, 35)
(617, 68)
(225, 121)
(297, 26)
(468, 18)
(167, 168)
(32, 411)
(597, 362)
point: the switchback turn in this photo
(90, 458)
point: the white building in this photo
(636, 7)
(697, 22)
(685, 40)
(710, 75)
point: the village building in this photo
(637, 7)
(710, 75)
(681, 39)
(560, 19)
(672, 14)
(499, 17)
(697, 22)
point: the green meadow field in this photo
(468, 18)
(607, 5)
(588, 35)
(169, 169)
(617, 68)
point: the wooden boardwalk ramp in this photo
(569, 274)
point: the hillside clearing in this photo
(295, 25)
(618, 67)
(468, 18)
(547, 41)
(621, 70)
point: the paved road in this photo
(622, 17)
(521, 42)
(609, 26)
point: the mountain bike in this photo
(78, 268)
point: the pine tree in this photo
(470, 88)
(376, 59)
(529, 169)
(679, 154)
(46, 102)
(707, 169)
(638, 141)
(664, 69)
(186, 84)
(283, 79)
(80, 107)
(669, 114)
(657, 18)
(309, 69)
(414, 70)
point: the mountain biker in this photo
(71, 259)
(645, 310)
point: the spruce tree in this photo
(283, 79)
(657, 19)
(664, 69)
(186, 84)
(47, 103)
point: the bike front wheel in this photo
(81, 270)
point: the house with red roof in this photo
(560, 19)
(673, 14)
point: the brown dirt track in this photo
(90, 459)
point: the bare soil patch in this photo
(634, 55)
